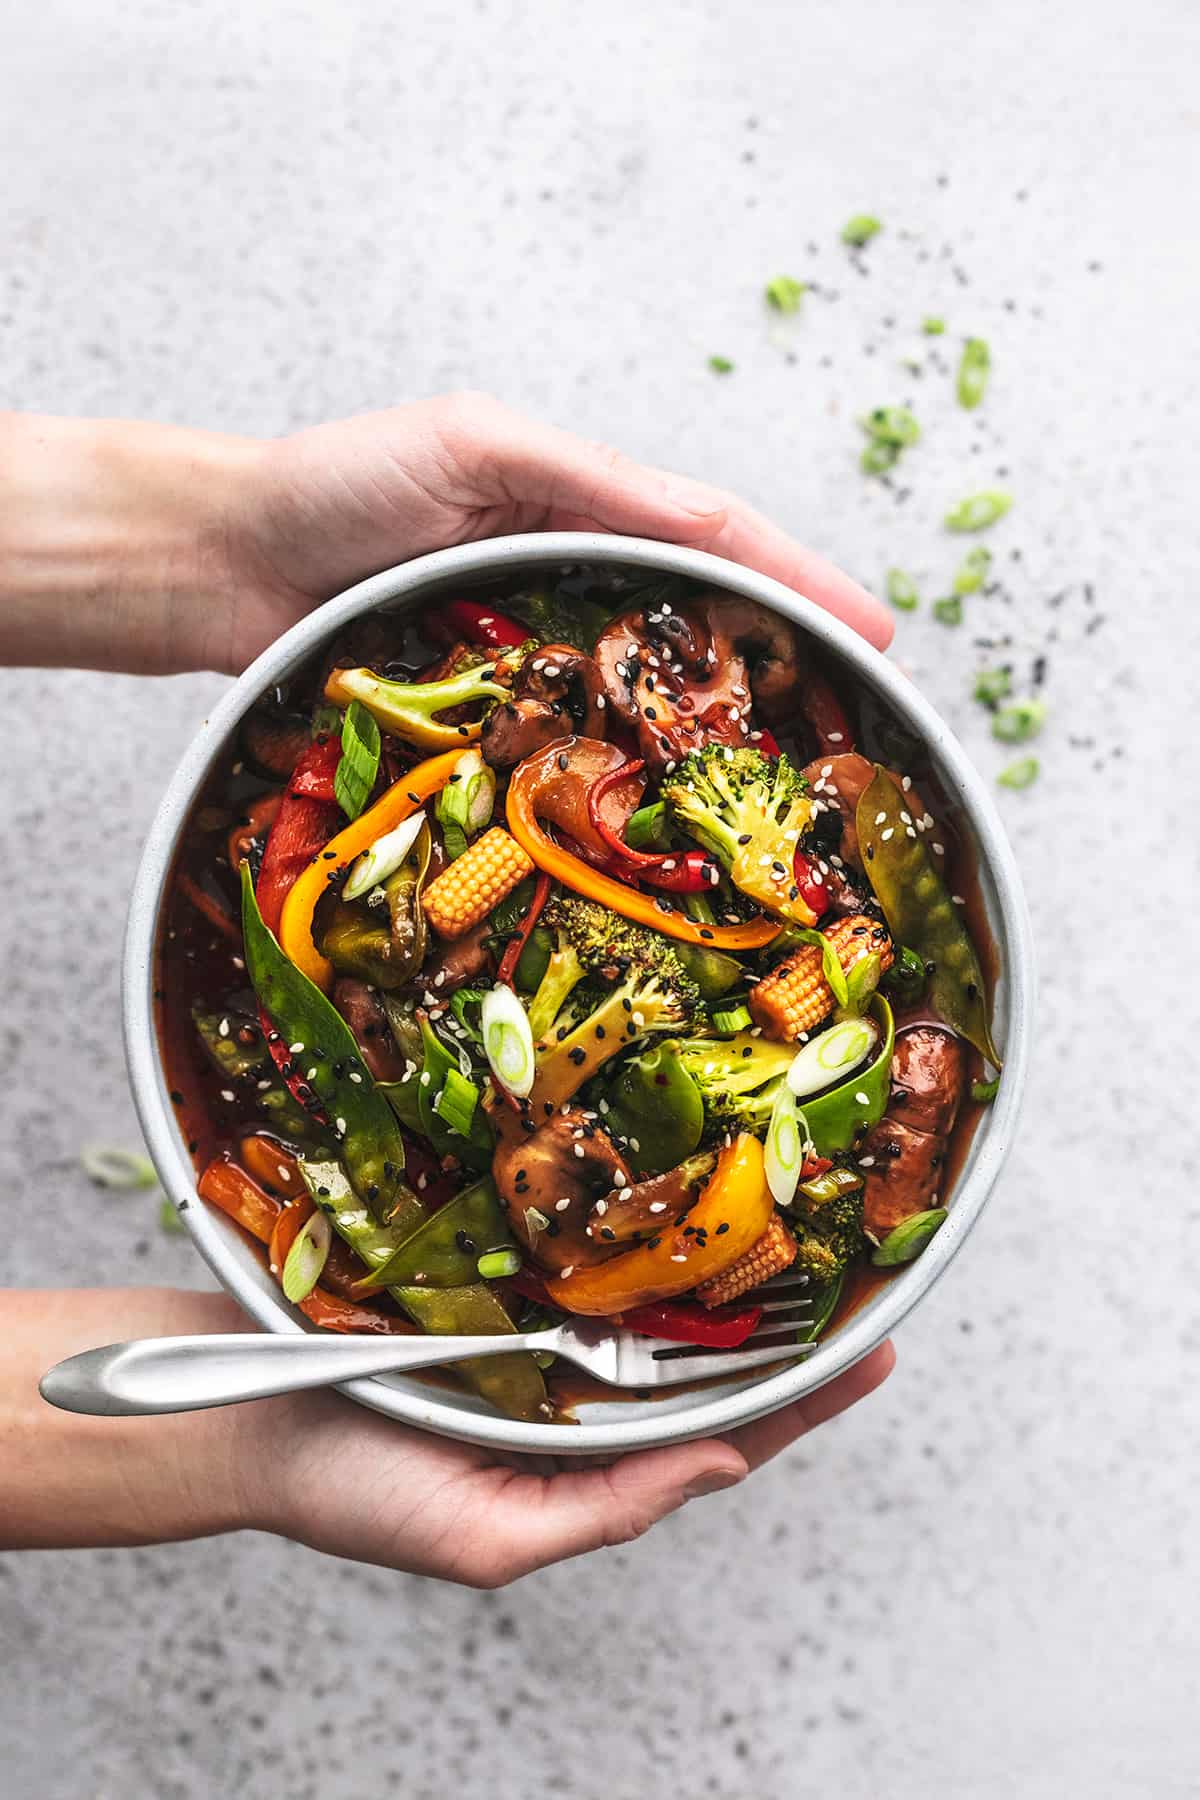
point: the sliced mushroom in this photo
(550, 1181)
(557, 693)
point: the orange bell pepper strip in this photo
(534, 774)
(401, 799)
(732, 1212)
(286, 1230)
(273, 1167)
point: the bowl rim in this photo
(498, 556)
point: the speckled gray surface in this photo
(983, 1582)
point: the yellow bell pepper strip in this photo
(920, 912)
(402, 798)
(529, 779)
(733, 1210)
(406, 709)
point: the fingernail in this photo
(712, 1483)
(692, 497)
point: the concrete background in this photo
(983, 1583)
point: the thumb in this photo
(549, 1518)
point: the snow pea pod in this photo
(374, 1243)
(328, 1053)
(513, 1384)
(655, 1105)
(837, 1118)
(445, 1251)
(920, 912)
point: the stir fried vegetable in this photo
(592, 1012)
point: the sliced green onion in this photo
(645, 828)
(508, 1041)
(978, 511)
(1017, 723)
(119, 1170)
(909, 1238)
(972, 572)
(307, 1257)
(455, 840)
(985, 1091)
(732, 1019)
(326, 720)
(825, 1059)
(169, 1220)
(992, 685)
(1020, 774)
(861, 229)
(785, 293)
(783, 1153)
(831, 1185)
(720, 365)
(358, 766)
(948, 611)
(459, 1002)
(891, 425)
(862, 981)
(973, 370)
(902, 591)
(496, 1264)
(455, 1105)
(932, 325)
(383, 857)
(878, 457)
(469, 797)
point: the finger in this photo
(759, 1441)
(544, 1521)
(747, 537)
(563, 477)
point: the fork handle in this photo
(184, 1374)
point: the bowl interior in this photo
(919, 734)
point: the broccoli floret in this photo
(630, 983)
(738, 1078)
(829, 1233)
(750, 811)
(409, 709)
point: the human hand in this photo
(317, 1468)
(153, 549)
(356, 1485)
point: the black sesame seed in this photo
(721, 1230)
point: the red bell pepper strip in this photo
(483, 625)
(675, 871)
(682, 1321)
(811, 882)
(825, 714)
(308, 817)
(687, 1322)
(517, 943)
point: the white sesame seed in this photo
(827, 769)
(579, 1151)
(223, 1028)
(283, 1172)
(835, 737)
(906, 782)
(938, 849)
(600, 1208)
(227, 1094)
(863, 1099)
(356, 1077)
(562, 1205)
(657, 1206)
(905, 817)
(679, 1259)
(341, 1127)
(635, 1145)
(296, 1049)
(866, 1162)
(885, 835)
(569, 1270)
(881, 818)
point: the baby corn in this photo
(774, 1252)
(795, 997)
(474, 885)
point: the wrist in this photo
(74, 1481)
(114, 543)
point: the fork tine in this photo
(734, 1362)
(774, 1306)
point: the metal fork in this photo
(184, 1374)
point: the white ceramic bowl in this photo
(617, 1425)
